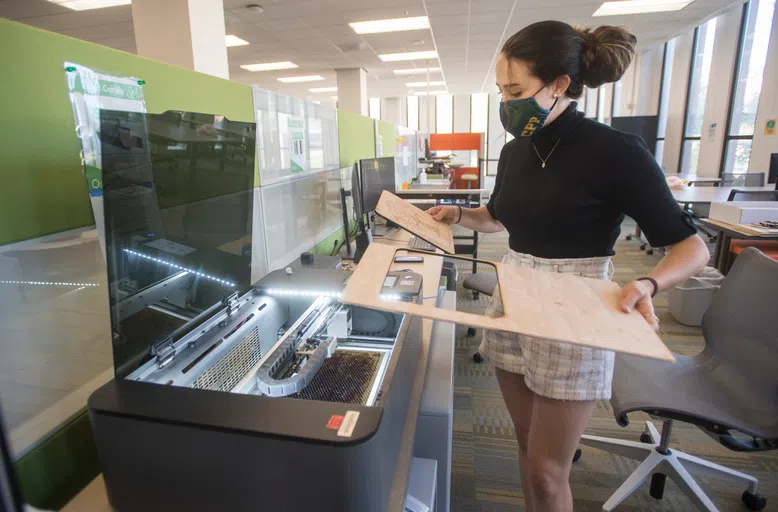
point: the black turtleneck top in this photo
(573, 208)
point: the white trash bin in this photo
(689, 301)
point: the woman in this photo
(563, 188)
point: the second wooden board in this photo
(415, 221)
(547, 305)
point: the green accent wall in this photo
(388, 133)
(43, 188)
(356, 137)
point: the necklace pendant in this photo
(543, 165)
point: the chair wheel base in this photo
(643, 247)
(478, 358)
(470, 332)
(650, 252)
(629, 237)
(577, 455)
(754, 501)
(657, 489)
(645, 438)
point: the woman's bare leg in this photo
(519, 400)
(554, 434)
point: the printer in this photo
(232, 395)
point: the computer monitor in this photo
(772, 175)
(377, 175)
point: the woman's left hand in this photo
(637, 295)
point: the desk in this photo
(426, 199)
(707, 195)
(693, 180)
(725, 234)
(95, 499)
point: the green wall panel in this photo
(388, 133)
(356, 137)
(43, 190)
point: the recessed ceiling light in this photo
(431, 93)
(298, 79)
(269, 66)
(85, 5)
(415, 71)
(623, 7)
(231, 40)
(324, 89)
(392, 25)
(425, 84)
(395, 57)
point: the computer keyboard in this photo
(417, 243)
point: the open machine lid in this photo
(178, 203)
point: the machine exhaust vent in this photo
(230, 369)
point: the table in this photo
(427, 198)
(725, 234)
(707, 195)
(693, 179)
(95, 499)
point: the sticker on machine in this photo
(349, 423)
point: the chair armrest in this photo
(750, 445)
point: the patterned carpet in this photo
(485, 469)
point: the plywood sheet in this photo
(553, 306)
(415, 221)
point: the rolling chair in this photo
(753, 195)
(480, 282)
(728, 388)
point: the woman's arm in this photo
(477, 219)
(684, 260)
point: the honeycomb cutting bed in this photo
(346, 377)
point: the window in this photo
(591, 102)
(374, 108)
(479, 117)
(601, 104)
(413, 113)
(702, 56)
(752, 56)
(444, 113)
(616, 100)
(582, 102)
(664, 97)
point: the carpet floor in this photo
(485, 468)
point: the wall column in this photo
(352, 90)
(186, 33)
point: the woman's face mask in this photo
(522, 117)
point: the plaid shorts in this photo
(553, 369)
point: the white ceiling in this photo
(466, 33)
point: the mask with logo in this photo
(521, 118)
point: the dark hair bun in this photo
(606, 54)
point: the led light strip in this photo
(49, 283)
(179, 267)
(302, 293)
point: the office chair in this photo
(750, 179)
(753, 195)
(480, 282)
(727, 389)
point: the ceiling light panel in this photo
(231, 40)
(86, 5)
(415, 71)
(397, 57)
(624, 7)
(391, 25)
(424, 84)
(270, 66)
(299, 79)
(324, 89)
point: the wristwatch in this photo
(652, 281)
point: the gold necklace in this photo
(544, 160)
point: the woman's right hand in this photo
(445, 214)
